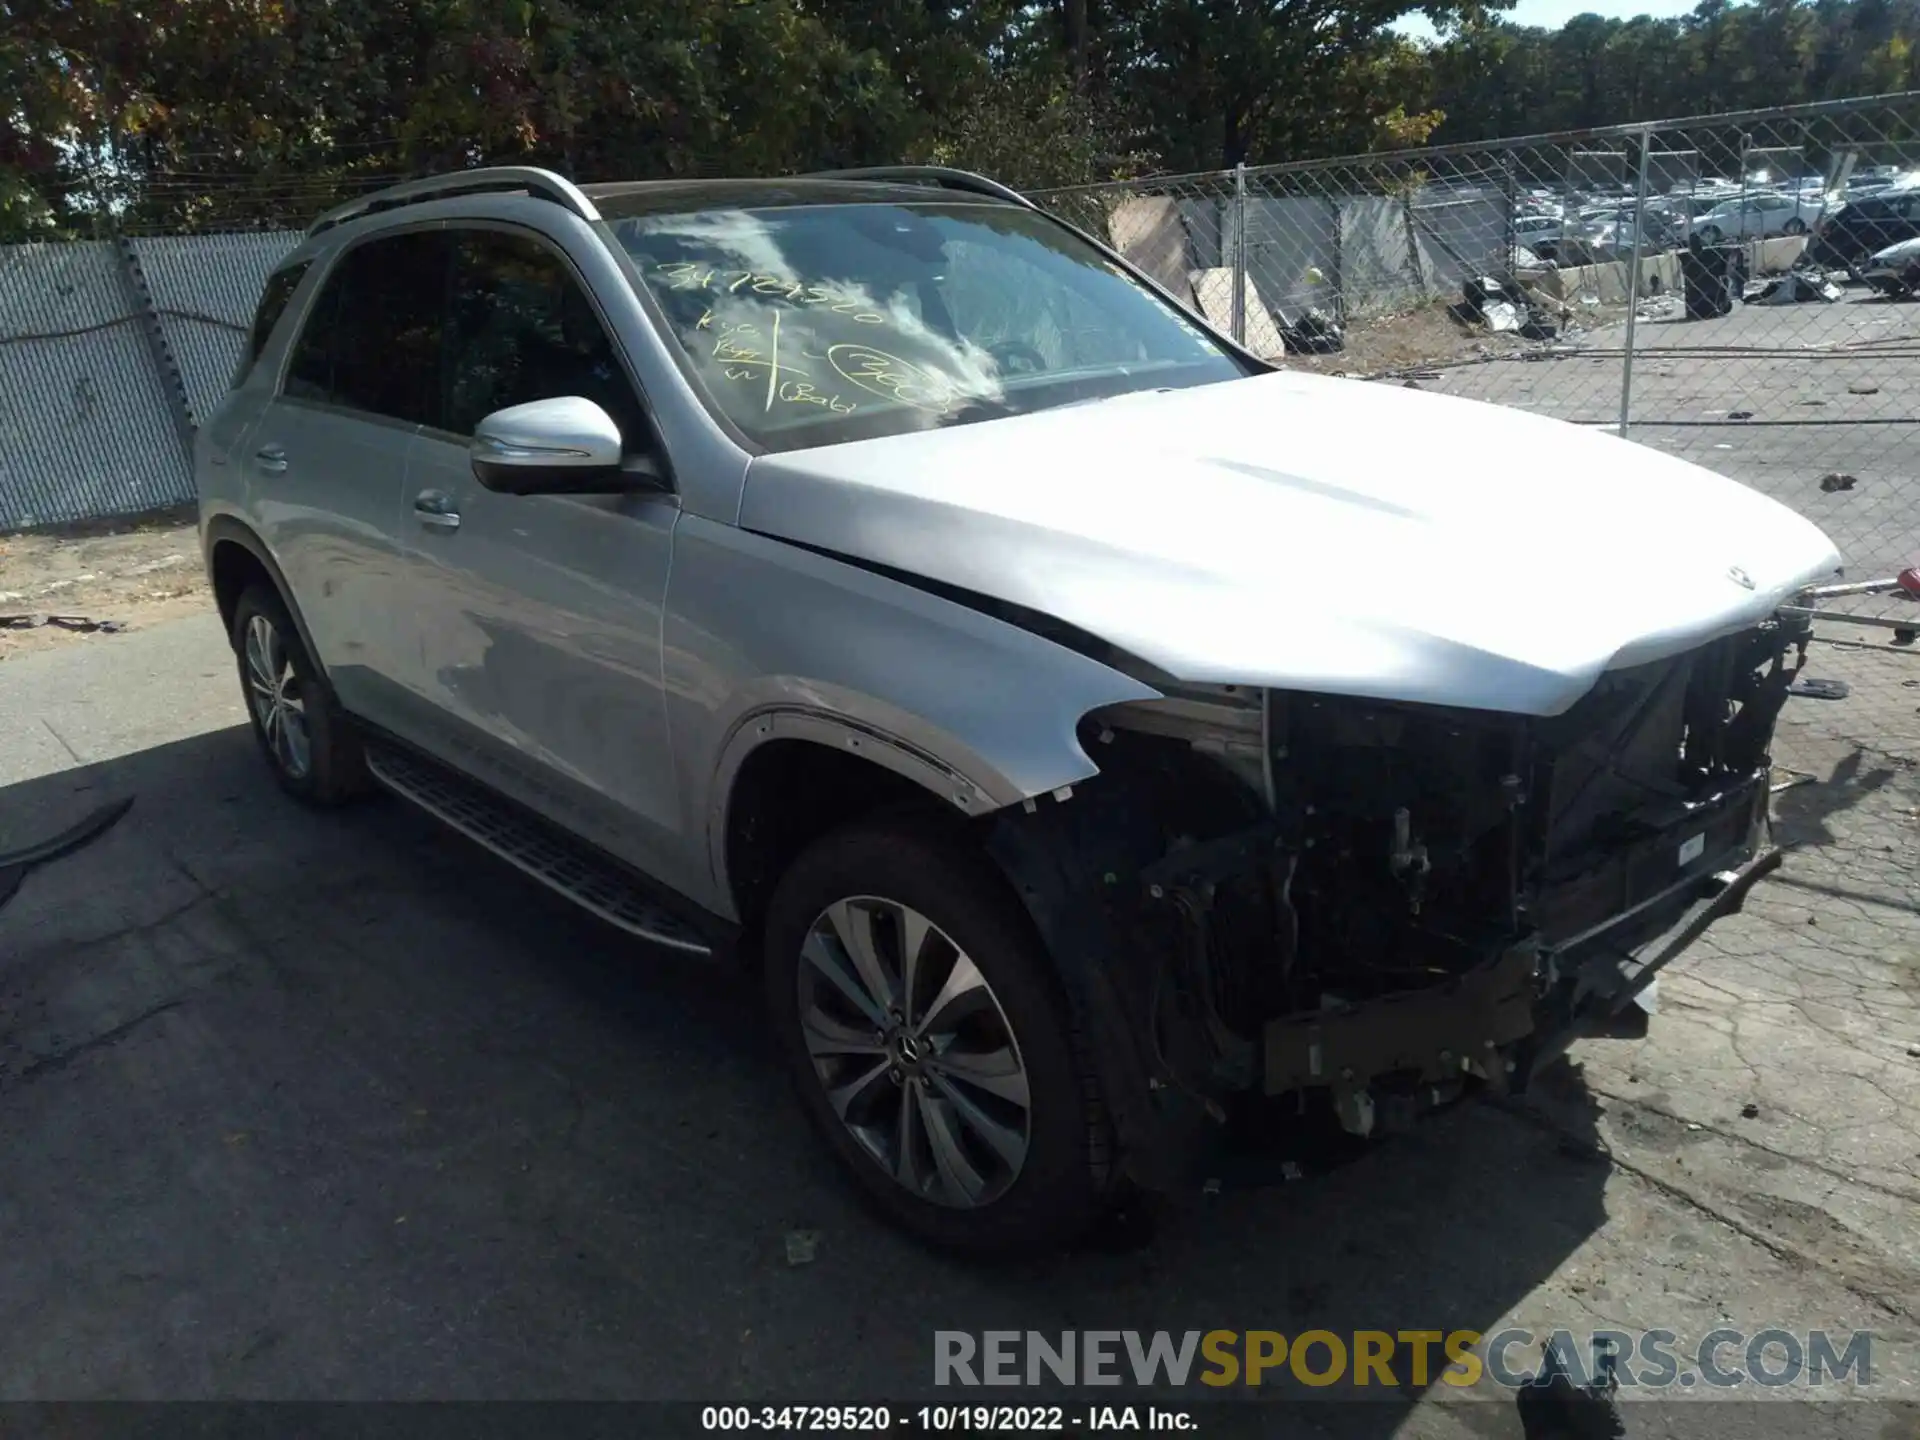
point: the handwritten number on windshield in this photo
(890, 377)
(687, 275)
(786, 381)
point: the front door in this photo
(533, 623)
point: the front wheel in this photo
(930, 1043)
(1709, 234)
(1796, 226)
(311, 748)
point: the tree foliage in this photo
(1493, 79)
(235, 112)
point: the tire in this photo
(1709, 234)
(1795, 226)
(882, 880)
(308, 743)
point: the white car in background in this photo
(1758, 217)
(1894, 271)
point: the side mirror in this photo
(564, 446)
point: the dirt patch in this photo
(1430, 336)
(133, 573)
(1437, 335)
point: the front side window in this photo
(372, 338)
(810, 324)
(520, 327)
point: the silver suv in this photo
(1092, 731)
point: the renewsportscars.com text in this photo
(1655, 1359)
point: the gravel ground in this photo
(131, 573)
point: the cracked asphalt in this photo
(300, 1106)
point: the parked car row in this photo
(1878, 212)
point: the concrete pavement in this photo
(302, 1106)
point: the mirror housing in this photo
(564, 446)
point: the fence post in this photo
(1240, 253)
(1633, 278)
(1510, 196)
(133, 284)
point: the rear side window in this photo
(372, 339)
(273, 304)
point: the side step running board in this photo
(544, 851)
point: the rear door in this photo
(531, 623)
(328, 457)
(219, 445)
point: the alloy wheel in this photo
(273, 693)
(914, 1052)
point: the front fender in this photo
(765, 640)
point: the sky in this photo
(1552, 14)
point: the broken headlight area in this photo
(1377, 904)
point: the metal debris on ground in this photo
(1797, 287)
(1820, 689)
(802, 1246)
(83, 624)
(1740, 414)
(1505, 306)
(1314, 333)
(14, 864)
(1785, 779)
(1836, 480)
(1749, 1111)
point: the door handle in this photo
(434, 509)
(272, 459)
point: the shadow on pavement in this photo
(1801, 812)
(302, 1105)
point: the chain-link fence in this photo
(1736, 289)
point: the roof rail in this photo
(942, 175)
(543, 184)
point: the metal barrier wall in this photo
(111, 352)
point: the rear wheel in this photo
(930, 1044)
(1709, 234)
(309, 744)
(1796, 226)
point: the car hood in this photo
(1902, 253)
(1300, 532)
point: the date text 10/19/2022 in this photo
(941, 1419)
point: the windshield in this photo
(811, 324)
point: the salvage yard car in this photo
(1757, 217)
(1091, 731)
(1858, 229)
(1894, 271)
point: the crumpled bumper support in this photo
(1605, 978)
(1503, 1020)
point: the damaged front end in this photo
(1372, 905)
